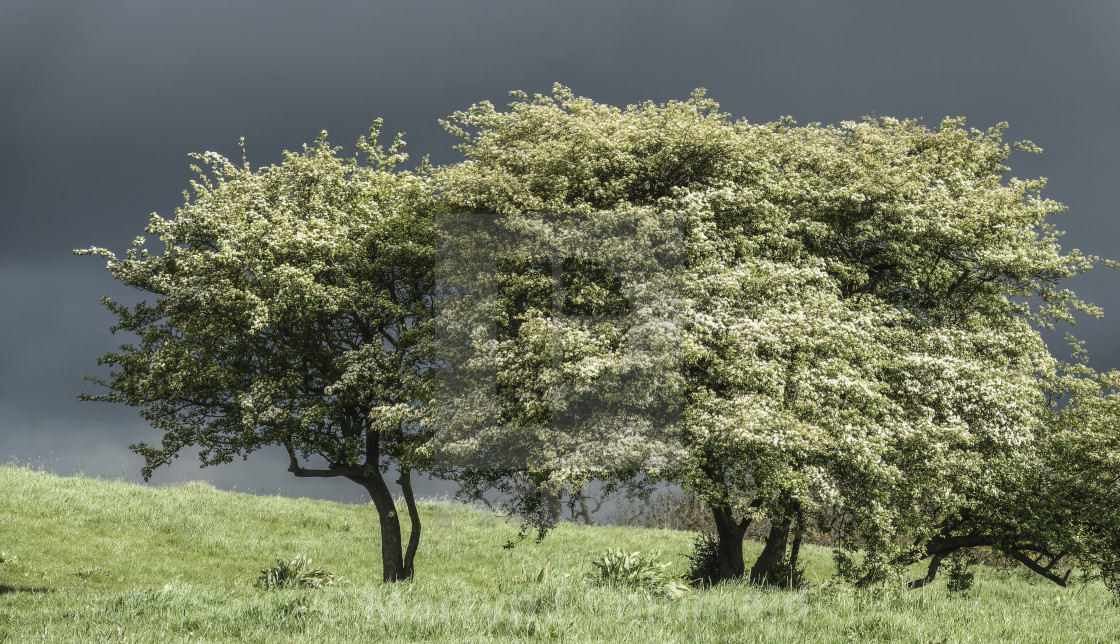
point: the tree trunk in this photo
(768, 567)
(729, 550)
(585, 513)
(405, 482)
(394, 565)
(794, 552)
(392, 557)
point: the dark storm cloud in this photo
(101, 102)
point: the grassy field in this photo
(93, 560)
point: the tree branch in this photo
(334, 470)
(942, 547)
(934, 564)
(747, 519)
(957, 284)
(1045, 571)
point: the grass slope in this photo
(93, 560)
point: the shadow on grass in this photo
(5, 589)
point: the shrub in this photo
(872, 570)
(703, 567)
(1110, 575)
(634, 570)
(958, 577)
(294, 573)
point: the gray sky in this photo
(100, 103)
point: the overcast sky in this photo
(101, 102)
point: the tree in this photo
(551, 383)
(1054, 509)
(291, 308)
(945, 397)
(850, 315)
(927, 222)
(1075, 478)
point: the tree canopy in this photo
(854, 313)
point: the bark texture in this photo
(769, 567)
(730, 534)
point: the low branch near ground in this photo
(1035, 564)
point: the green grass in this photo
(94, 560)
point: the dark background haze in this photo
(100, 103)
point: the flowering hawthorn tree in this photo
(843, 314)
(290, 309)
(925, 221)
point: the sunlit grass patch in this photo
(88, 560)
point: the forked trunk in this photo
(392, 555)
(769, 567)
(396, 565)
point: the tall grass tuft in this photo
(294, 572)
(637, 571)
